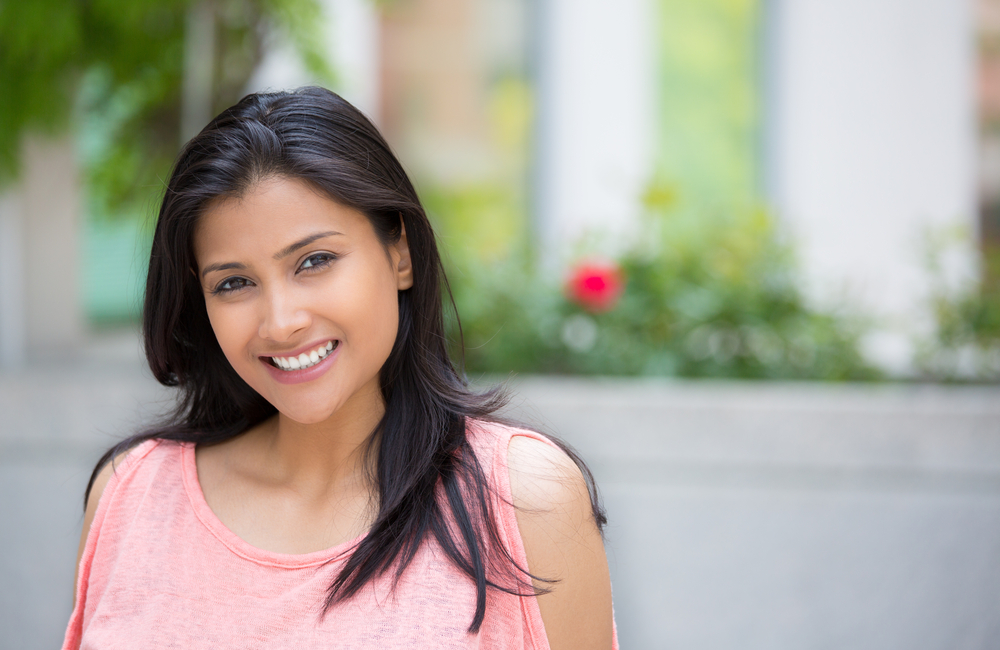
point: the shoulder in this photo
(98, 488)
(562, 544)
(543, 478)
(120, 464)
(541, 475)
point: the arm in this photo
(561, 542)
(100, 482)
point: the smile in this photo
(306, 359)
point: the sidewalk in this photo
(742, 515)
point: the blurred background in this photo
(744, 254)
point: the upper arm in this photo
(562, 543)
(93, 499)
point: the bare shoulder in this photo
(562, 543)
(543, 478)
(101, 482)
(93, 499)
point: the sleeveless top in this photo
(160, 570)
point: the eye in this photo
(316, 261)
(229, 285)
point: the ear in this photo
(401, 257)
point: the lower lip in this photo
(305, 374)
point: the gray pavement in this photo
(742, 515)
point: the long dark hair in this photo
(314, 135)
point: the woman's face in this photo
(302, 296)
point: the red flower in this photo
(596, 286)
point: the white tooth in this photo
(303, 359)
(314, 356)
(284, 363)
(329, 346)
(294, 363)
(321, 352)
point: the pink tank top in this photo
(159, 570)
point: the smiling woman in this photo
(327, 479)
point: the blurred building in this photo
(856, 121)
(989, 122)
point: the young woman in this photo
(328, 480)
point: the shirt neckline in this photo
(235, 543)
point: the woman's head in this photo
(310, 141)
(302, 295)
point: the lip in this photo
(303, 374)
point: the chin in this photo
(305, 415)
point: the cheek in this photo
(229, 327)
(388, 326)
(374, 318)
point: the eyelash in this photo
(324, 260)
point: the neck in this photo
(327, 455)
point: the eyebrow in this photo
(284, 252)
(222, 267)
(305, 241)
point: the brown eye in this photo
(230, 285)
(318, 260)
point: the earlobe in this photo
(404, 267)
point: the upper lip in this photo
(306, 349)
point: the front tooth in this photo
(303, 359)
(294, 363)
(314, 356)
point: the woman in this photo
(327, 480)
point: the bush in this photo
(704, 296)
(966, 341)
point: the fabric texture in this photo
(159, 570)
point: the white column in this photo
(50, 261)
(199, 53)
(352, 31)
(13, 341)
(595, 134)
(353, 28)
(871, 151)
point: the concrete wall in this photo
(785, 516)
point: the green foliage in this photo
(708, 114)
(966, 344)
(706, 296)
(120, 64)
(483, 221)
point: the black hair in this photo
(425, 469)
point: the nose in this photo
(283, 315)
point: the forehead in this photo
(272, 214)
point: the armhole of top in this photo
(507, 515)
(120, 472)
